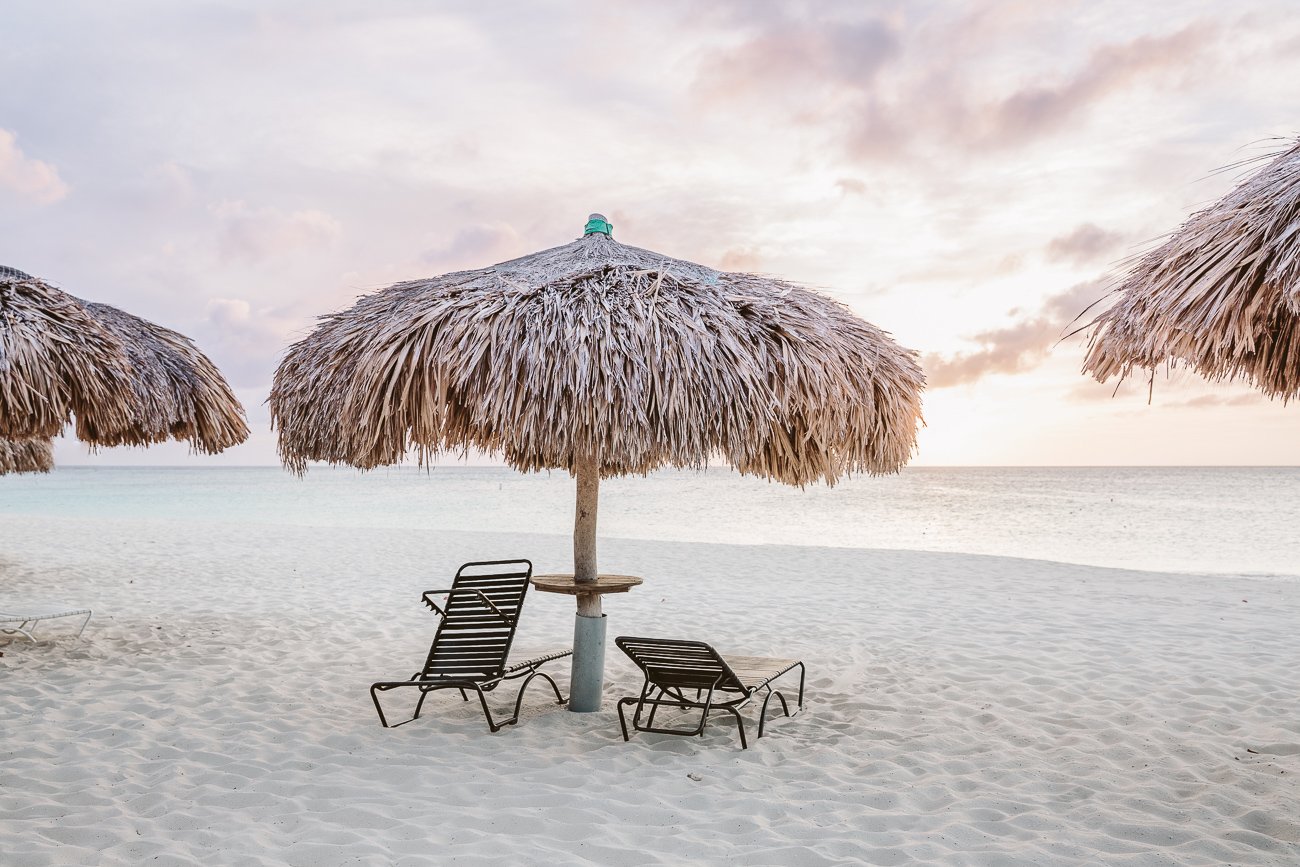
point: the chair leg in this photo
(622, 719)
(83, 624)
(640, 705)
(385, 687)
(740, 726)
(704, 715)
(519, 699)
(419, 705)
(762, 714)
(650, 720)
(493, 726)
(374, 696)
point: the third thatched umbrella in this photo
(26, 456)
(1221, 295)
(603, 360)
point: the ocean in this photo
(1230, 521)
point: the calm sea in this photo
(1233, 521)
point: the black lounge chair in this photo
(672, 668)
(471, 646)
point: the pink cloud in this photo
(475, 246)
(889, 87)
(29, 178)
(745, 259)
(243, 339)
(1018, 347)
(257, 233)
(1082, 245)
(1039, 108)
(815, 65)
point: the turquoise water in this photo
(1232, 521)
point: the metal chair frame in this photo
(673, 667)
(470, 647)
(27, 622)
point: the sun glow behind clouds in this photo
(955, 172)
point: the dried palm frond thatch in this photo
(26, 456)
(125, 380)
(1221, 295)
(598, 350)
(57, 361)
(600, 359)
(179, 392)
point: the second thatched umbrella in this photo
(603, 360)
(1221, 295)
(124, 380)
(26, 456)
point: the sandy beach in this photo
(961, 709)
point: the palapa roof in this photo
(179, 393)
(125, 380)
(56, 361)
(596, 346)
(26, 456)
(1221, 295)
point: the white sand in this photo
(962, 710)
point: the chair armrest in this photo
(428, 601)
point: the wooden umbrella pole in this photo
(587, 472)
(588, 674)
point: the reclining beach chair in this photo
(27, 616)
(674, 668)
(472, 643)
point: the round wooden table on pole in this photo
(587, 681)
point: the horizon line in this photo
(220, 466)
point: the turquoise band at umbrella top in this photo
(602, 226)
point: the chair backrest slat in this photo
(473, 640)
(677, 664)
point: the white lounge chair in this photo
(27, 616)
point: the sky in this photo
(966, 175)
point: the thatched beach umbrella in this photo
(179, 393)
(125, 380)
(26, 456)
(1221, 295)
(57, 361)
(603, 360)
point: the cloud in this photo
(1018, 347)
(745, 259)
(1084, 244)
(1222, 400)
(30, 179)
(1034, 110)
(851, 187)
(475, 246)
(244, 340)
(1172, 388)
(796, 55)
(874, 85)
(951, 107)
(258, 233)
(229, 312)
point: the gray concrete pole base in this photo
(588, 678)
